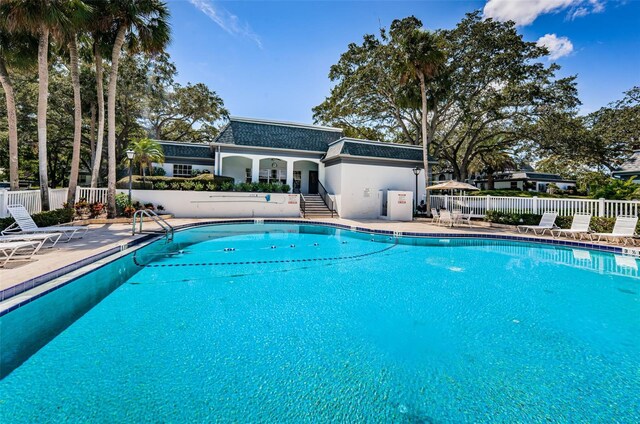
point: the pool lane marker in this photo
(337, 258)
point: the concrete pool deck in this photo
(102, 238)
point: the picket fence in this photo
(479, 205)
(474, 205)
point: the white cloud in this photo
(226, 20)
(524, 12)
(557, 46)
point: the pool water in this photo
(288, 323)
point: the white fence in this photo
(92, 195)
(30, 199)
(479, 205)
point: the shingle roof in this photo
(631, 165)
(277, 135)
(375, 149)
(186, 150)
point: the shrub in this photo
(187, 185)
(598, 224)
(149, 206)
(226, 186)
(161, 186)
(176, 186)
(160, 208)
(153, 181)
(122, 201)
(159, 171)
(44, 219)
(212, 186)
(96, 209)
(198, 186)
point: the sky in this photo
(270, 59)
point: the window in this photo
(514, 185)
(181, 170)
(247, 175)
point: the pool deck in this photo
(103, 238)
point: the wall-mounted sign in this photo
(402, 198)
(293, 199)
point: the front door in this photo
(313, 182)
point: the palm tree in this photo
(490, 162)
(15, 51)
(78, 18)
(419, 57)
(145, 25)
(147, 152)
(99, 34)
(39, 18)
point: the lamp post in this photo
(130, 155)
(416, 172)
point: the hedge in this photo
(209, 182)
(598, 224)
(44, 219)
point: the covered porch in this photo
(301, 174)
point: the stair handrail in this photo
(303, 205)
(322, 191)
(162, 223)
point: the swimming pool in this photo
(295, 323)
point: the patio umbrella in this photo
(452, 185)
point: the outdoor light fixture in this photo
(130, 155)
(416, 172)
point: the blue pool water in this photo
(310, 324)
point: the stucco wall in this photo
(202, 204)
(359, 186)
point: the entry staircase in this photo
(317, 205)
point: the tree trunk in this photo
(77, 118)
(92, 133)
(111, 114)
(43, 93)
(97, 159)
(491, 184)
(425, 140)
(12, 119)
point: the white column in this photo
(290, 174)
(255, 170)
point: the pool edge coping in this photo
(32, 283)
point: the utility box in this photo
(399, 205)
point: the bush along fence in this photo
(479, 206)
(598, 224)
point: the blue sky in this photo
(270, 59)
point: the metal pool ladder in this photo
(162, 223)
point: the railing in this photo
(57, 197)
(322, 191)
(303, 205)
(92, 195)
(166, 227)
(479, 205)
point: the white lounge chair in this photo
(24, 225)
(579, 226)
(9, 251)
(435, 216)
(624, 229)
(547, 222)
(44, 237)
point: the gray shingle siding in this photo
(277, 136)
(381, 151)
(187, 150)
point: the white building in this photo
(353, 175)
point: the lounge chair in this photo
(624, 229)
(24, 225)
(9, 251)
(44, 237)
(435, 216)
(579, 226)
(547, 222)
